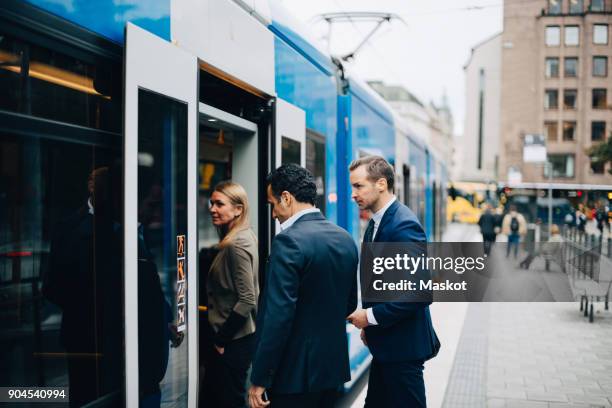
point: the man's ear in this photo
(285, 199)
(381, 184)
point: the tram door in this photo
(160, 248)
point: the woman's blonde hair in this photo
(238, 198)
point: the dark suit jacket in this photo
(404, 331)
(311, 286)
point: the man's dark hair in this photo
(296, 180)
(377, 168)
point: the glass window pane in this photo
(571, 67)
(162, 199)
(600, 34)
(554, 6)
(599, 98)
(290, 152)
(569, 131)
(552, 67)
(43, 82)
(600, 66)
(61, 279)
(572, 35)
(562, 165)
(315, 163)
(576, 6)
(598, 131)
(597, 5)
(551, 130)
(569, 98)
(551, 99)
(553, 36)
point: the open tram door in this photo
(160, 247)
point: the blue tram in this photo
(165, 99)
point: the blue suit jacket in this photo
(404, 331)
(311, 286)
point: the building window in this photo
(553, 36)
(600, 66)
(569, 131)
(600, 99)
(576, 6)
(554, 6)
(551, 99)
(569, 98)
(562, 165)
(597, 167)
(552, 67)
(551, 129)
(571, 67)
(572, 36)
(597, 5)
(600, 34)
(598, 131)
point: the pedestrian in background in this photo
(514, 226)
(581, 219)
(488, 224)
(601, 218)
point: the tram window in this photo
(290, 152)
(162, 192)
(215, 165)
(45, 83)
(61, 280)
(315, 163)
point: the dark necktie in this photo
(369, 233)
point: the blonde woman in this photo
(233, 290)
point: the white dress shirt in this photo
(291, 220)
(377, 217)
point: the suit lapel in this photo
(389, 214)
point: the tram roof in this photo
(288, 28)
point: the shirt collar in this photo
(291, 220)
(90, 206)
(377, 216)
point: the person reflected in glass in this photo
(232, 289)
(84, 279)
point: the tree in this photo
(602, 152)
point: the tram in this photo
(161, 101)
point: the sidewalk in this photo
(532, 355)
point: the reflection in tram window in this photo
(290, 152)
(315, 163)
(162, 197)
(61, 276)
(43, 83)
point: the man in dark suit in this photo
(400, 335)
(301, 356)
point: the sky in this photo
(425, 53)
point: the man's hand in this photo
(220, 350)
(359, 318)
(255, 397)
(363, 337)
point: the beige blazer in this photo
(233, 283)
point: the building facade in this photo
(556, 81)
(477, 155)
